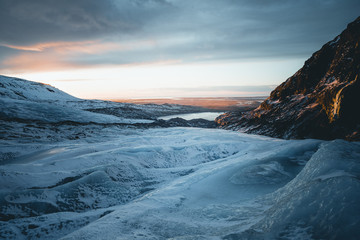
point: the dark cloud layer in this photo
(27, 22)
(194, 30)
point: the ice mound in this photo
(266, 173)
(321, 202)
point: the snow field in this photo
(158, 183)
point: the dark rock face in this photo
(321, 100)
(179, 122)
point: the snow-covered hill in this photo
(26, 101)
(15, 88)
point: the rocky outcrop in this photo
(179, 122)
(321, 100)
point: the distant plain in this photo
(215, 103)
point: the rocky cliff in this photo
(321, 100)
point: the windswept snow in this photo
(157, 183)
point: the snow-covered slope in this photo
(51, 112)
(15, 88)
(26, 101)
(321, 202)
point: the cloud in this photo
(36, 63)
(86, 47)
(25, 22)
(52, 56)
(111, 32)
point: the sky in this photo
(115, 49)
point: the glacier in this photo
(79, 169)
(181, 183)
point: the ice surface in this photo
(157, 183)
(181, 183)
(323, 198)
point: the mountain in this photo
(321, 100)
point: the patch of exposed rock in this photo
(321, 100)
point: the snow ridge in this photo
(19, 89)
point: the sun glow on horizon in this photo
(167, 79)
